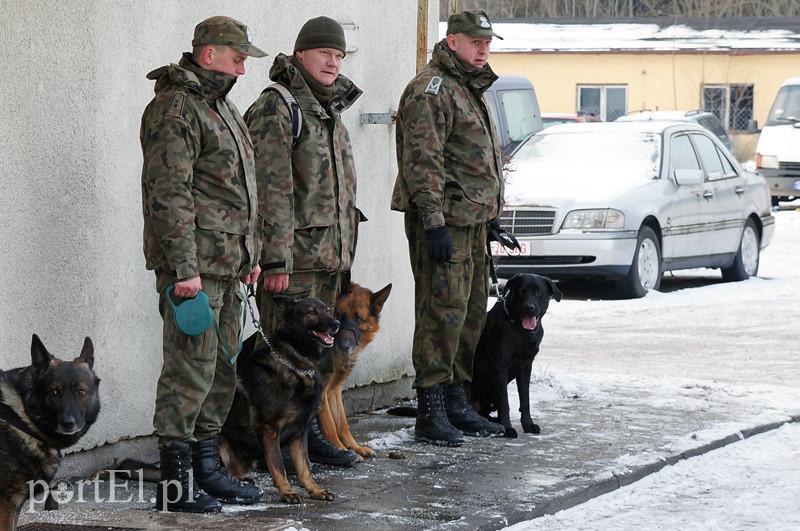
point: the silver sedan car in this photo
(628, 201)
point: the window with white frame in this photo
(609, 102)
(732, 104)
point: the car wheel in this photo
(645, 271)
(745, 264)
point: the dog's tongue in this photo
(529, 323)
(326, 339)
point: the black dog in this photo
(509, 342)
(279, 392)
(44, 408)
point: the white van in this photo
(778, 150)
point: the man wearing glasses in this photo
(306, 183)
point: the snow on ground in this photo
(752, 484)
(709, 344)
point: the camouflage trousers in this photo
(322, 285)
(449, 303)
(197, 382)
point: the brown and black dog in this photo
(358, 309)
(278, 393)
(44, 407)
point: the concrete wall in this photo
(70, 162)
(655, 80)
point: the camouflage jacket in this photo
(449, 164)
(198, 178)
(306, 191)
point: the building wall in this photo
(70, 163)
(656, 81)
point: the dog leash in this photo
(251, 292)
(507, 240)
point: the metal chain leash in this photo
(251, 292)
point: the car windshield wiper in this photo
(790, 119)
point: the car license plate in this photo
(796, 185)
(524, 249)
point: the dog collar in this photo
(292, 367)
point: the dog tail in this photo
(403, 411)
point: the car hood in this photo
(781, 141)
(556, 189)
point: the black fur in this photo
(506, 349)
(278, 393)
(44, 408)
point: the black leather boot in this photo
(461, 414)
(214, 479)
(320, 449)
(177, 491)
(432, 424)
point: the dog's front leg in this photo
(298, 448)
(8, 515)
(327, 419)
(344, 429)
(272, 455)
(524, 389)
(503, 409)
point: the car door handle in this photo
(739, 190)
(708, 194)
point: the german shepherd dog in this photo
(509, 341)
(358, 310)
(278, 393)
(44, 407)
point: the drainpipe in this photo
(422, 34)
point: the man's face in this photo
(472, 50)
(223, 59)
(322, 63)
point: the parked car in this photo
(515, 110)
(555, 118)
(778, 150)
(628, 201)
(704, 118)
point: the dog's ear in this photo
(284, 301)
(40, 358)
(555, 293)
(378, 299)
(87, 353)
(510, 284)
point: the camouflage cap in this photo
(473, 23)
(227, 31)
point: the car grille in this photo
(790, 166)
(528, 222)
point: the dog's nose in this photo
(68, 425)
(335, 326)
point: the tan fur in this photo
(364, 304)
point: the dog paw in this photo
(510, 432)
(291, 497)
(323, 494)
(530, 427)
(364, 451)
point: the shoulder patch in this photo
(434, 85)
(175, 108)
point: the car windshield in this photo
(786, 108)
(629, 156)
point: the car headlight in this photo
(594, 219)
(769, 162)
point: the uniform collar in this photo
(345, 92)
(187, 73)
(476, 79)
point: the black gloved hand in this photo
(496, 233)
(440, 244)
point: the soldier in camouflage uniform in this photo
(450, 186)
(199, 202)
(306, 184)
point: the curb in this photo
(597, 488)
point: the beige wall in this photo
(656, 81)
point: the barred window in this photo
(732, 104)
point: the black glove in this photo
(496, 233)
(440, 245)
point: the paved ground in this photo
(588, 446)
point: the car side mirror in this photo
(689, 177)
(752, 126)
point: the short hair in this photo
(197, 50)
